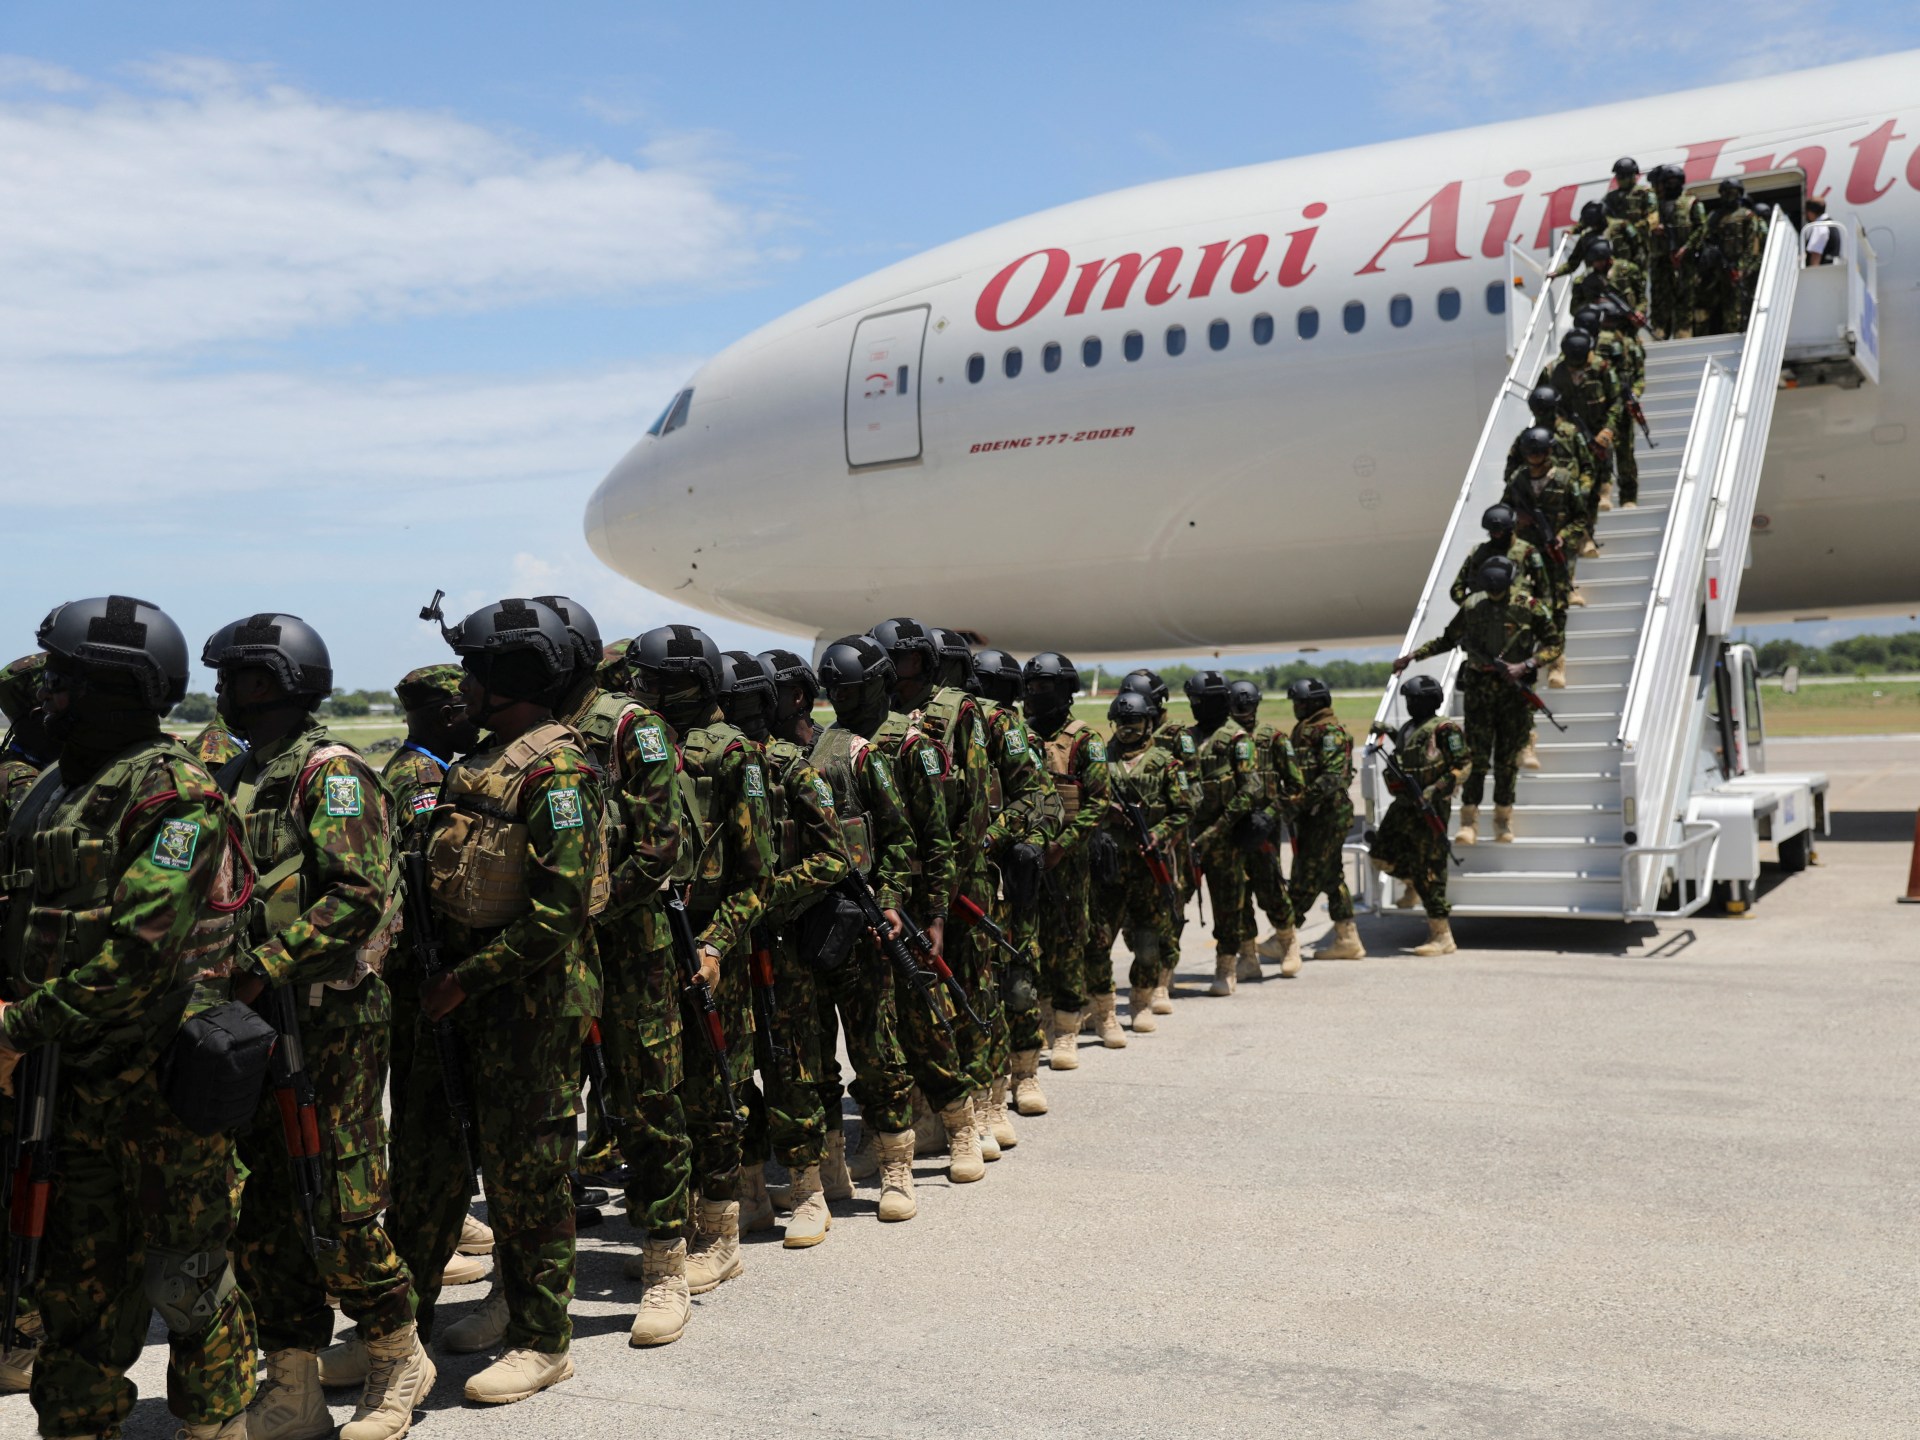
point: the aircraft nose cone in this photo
(614, 509)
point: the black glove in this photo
(1103, 858)
(1021, 874)
(1256, 831)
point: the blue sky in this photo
(320, 307)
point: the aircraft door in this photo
(883, 388)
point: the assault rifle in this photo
(1402, 783)
(918, 940)
(697, 996)
(423, 930)
(594, 1055)
(1498, 667)
(1156, 863)
(765, 996)
(1198, 876)
(29, 1181)
(1520, 497)
(977, 919)
(299, 1114)
(855, 887)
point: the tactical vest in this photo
(1059, 753)
(1213, 759)
(836, 754)
(1139, 779)
(947, 714)
(477, 844)
(601, 725)
(61, 860)
(271, 800)
(1417, 749)
(702, 750)
(781, 756)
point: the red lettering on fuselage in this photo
(1443, 226)
(1126, 269)
(987, 310)
(1246, 274)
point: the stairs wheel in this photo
(1796, 851)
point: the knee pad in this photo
(1145, 946)
(187, 1289)
(1018, 991)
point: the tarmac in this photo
(1576, 1180)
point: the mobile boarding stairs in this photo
(1655, 799)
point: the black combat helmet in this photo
(997, 676)
(1309, 695)
(587, 650)
(1243, 699)
(1131, 711)
(1536, 441)
(857, 674)
(1763, 210)
(1496, 574)
(119, 635)
(1593, 215)
(1587, 318)
(795, 685)
(1732, 191)
(955, 658)
(1575, 347)
(747, 693)
(677, 671)
(1148, 683)
(902, 636)
(1207, 693)
(1424, 695)
(1626, 170)
(1498, 520)
(1599, 252)
(1544, 402)
(285, 646)
(1048, 683)
(1667, 181)
(518, 649)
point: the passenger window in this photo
(1400, 311)
(1307, 322)
(1217, 335)
(1010, 362)
(677, 416)
(1496, 297)
(1354, 317)
(1050, 357)
(1262, 329)
(976, 369)
(1133, 347)
(1449, 304)
(1090, 351)
(1176, 339)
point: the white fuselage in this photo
(1257, 494)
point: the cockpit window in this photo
(674, 416)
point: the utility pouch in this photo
(828, 932)
(212, 1072)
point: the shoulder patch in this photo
(1016, 741)
(930, 760)
(1096, 750)
(755, 786)
(423, 802)
(824, 791)
(652, 741)
(1181, 777)
(564, 809)
(173, 847)
(1186, 744)
(343, 795)
(1243, 749)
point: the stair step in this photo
(1521, 892)
(1572, 859)
(1538, 912)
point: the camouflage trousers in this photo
(1405, 846)
(714, 1102)
(1022, 986)
(935, 1060)
(1063, 930)
(640, 1030)
(524, 1077)
(786, 1115)
(1629, 279)
(857, 1000)
(1719, 304)
(1498, 725)
(1671, 305)
(1137, 909)
(1626, 467)
(287, 1282)
(1226, 872)
(985, 1055)
(141, 1212)
(1267, 886)
(1318, 868)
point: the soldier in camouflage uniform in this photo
(1589, 397)
(1616, 341)
(1325, 752)
(677, 672)
(1570, 448)
(1530, 571)
(328, 902)
(1229, 788)
(1506, 637)
(927, 782)
(1675, 226)
(1279, 773)
(1177, 740)
(1146, 781)
(1629, 207)
(1430, 751)
(858, 676)
(216, 745)
(516, 852)
(1543, 496)
(1727, 260)
(141, 1211)
(811, 859)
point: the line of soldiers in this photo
(272, 1019)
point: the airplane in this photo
(1231, 411)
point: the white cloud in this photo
(214, 203)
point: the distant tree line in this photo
(198, 708)
(1860, 655)
(1272, 679)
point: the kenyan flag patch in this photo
(173, 847)
(423, 802)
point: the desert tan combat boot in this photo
(1407, 898)
(1106, 1023)
(482, 1330)
(290, 1405)
(1469, 826)
(1246, 962)
(1588, 550)
(1001, 1123)
(1606, 495)
(929, 1136)
(234, 1429)
(463, 1270)
(399, 1375)
(1140, 1001)
(835, 1181)
(1163, 992)
(16, 1365)
(1529, 756)
(714, 1257)
(1225, 962)
(1557, 676)
(1290, 962)
(1503, 824)
(756, 1207)
(982, 1103)
(1439, 939)
(864, 1162)
(518, 1375)
(1028, 1098)
(345, 1363)
(896, 1176)
(476, 1238)
(1345, 944)
(811, 1219)
(664, 1306)
(964, 1164)
(1065, 1054)
(1576, 599)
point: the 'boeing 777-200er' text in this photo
(1233, 410)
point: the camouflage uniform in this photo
(734, 844)
(1499, 721)
(531, 989)
(1025, 811)
(1433, 753)
(858, 997)
(632, 749)
(1570, 448)
(1076, 767)
(1153, 779)
(1279, 772)
(1177, 741)
(1529, 570)
(141, 1214)
(1626, 357)
(216, 745)
(1553, 499)
(1229, 787)
(320, 830)
(1325, 752)
(1675, 229)
(1628, 213)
